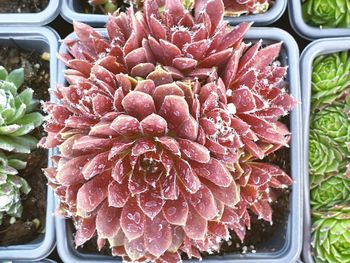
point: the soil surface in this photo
(89, 9)
(34, 204)
(23, 6)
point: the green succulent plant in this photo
(335, 190)
(331, 235)
(325, 156)
(12, 186)
(327, 13)
(333, 121)
(330, 78)
(17, 118)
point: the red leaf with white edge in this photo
(85, 231)
(156, 28)
(215, 11)
(248, 58)
(268, 131)
(170, 189)
(89, 143)
(160, 77)
(165, 90)
(194, 151)
(137, 184)
(102, 129)
(107, 221)
(118, 239)
(151, 202)
(154, 125)
(100, 73)
(146, 86)
(92, 193)
(126, 125)
(170, 144)
(142, 146)
(218, 230)
(180, 38)
(169, 257)
(263, 210)
(188, 129)
(204, 203)
(250, 194)
(197, 50)
(215, 172)
(215, 147)
(243, 99)
(177, 239)
(228, 195)
(235, 36)
(121, 169)
(138, 104)
(132, 220)
(157, 235)
(96, 165)
(216, 59)
(196, 226)
(185, 173)
(232, 67)
(135, 248)
(182, 63)
(175, 110)
(102, 104)
(266, 56)
(71, 194)
(170, 50)
(118, 194)
(80, 122)
(176, 211)
(253, 148)
(119, 147)
(110, 63)
(70, 173)
(142, 70)
(66, 148)
(135, 57)
(230, 216)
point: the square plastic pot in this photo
(32, 19)
(273, 14)
(72, 10)
(285, 245)
(315, 49)
(309, 32)
(41, 39)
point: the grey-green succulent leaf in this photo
(327, 13)
(17, 118)
(331, 235)
(334, 191)
(330, 78)
(12, 186)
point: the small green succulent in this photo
(331, 235)
(325, 156)
(11, 185)
(327, 13)
(335, 190)
(330, 78)
(17, 118)
(108, 6)
(333, 121)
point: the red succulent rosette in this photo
(158, 129)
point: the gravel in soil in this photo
(37, 77)
(23, 6)
(89, 9)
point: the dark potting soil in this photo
(23, 6)
(85, 7)
(37, 77)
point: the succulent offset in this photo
(327, 13)
(106, 6)
(11, 185)
(246, 7)
(334, 190)
(330, 78)
(17, 118)
(326, 157)
(160, 130)
(331, 236)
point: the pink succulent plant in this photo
(160, 128)
(242, 7)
